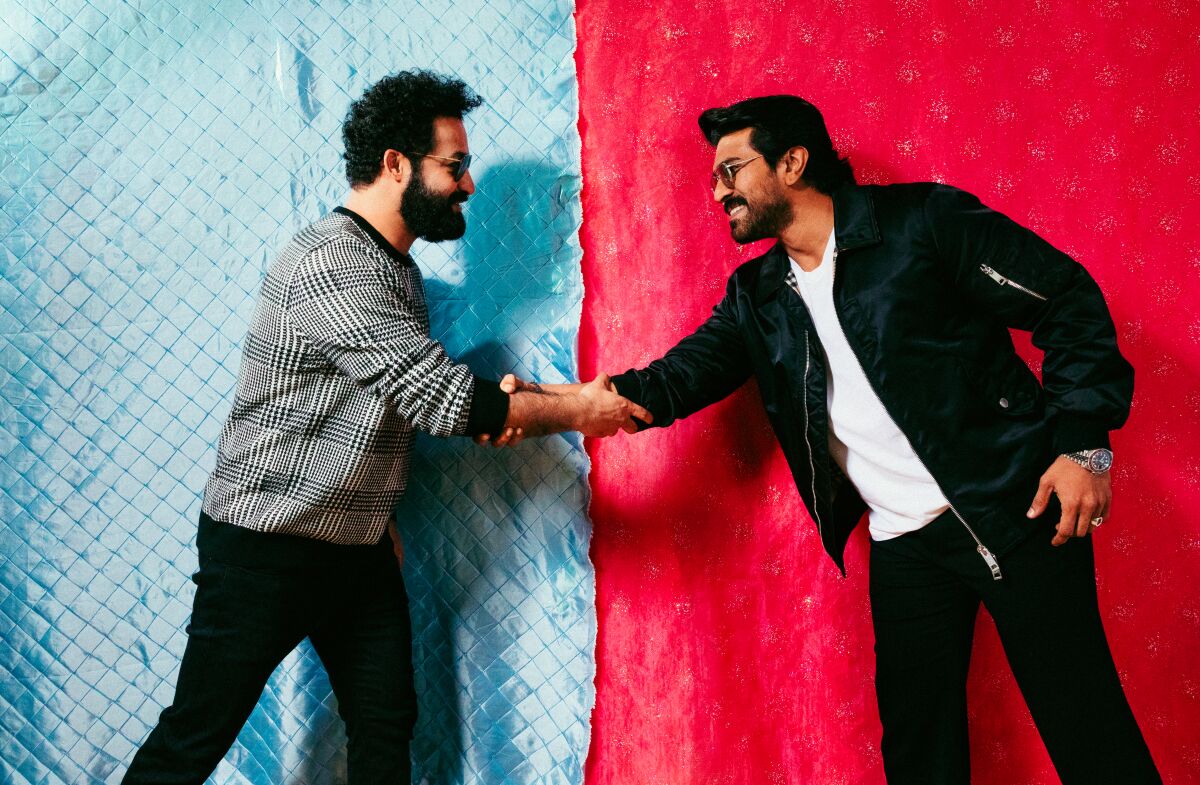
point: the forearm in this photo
(680, 384)
(560, 389)
(356, 319)
(551, 408)
(1088, 383)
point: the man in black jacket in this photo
(877, 329)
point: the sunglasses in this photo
(727, 170)
(459, 167)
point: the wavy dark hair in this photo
(779, 123)
(397, 113)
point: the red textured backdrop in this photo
(730, 649)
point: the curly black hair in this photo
(779, 123)
(397, 113)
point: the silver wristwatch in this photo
(1095, 461)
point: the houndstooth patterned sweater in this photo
(337, 372)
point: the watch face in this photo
(1100, 461)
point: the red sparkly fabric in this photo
(730, 650)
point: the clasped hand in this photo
(593, 409)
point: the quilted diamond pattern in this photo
(153, 157)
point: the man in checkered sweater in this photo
(296, 535)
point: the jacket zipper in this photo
(988, 557)
(812, 467)
(1003, 281)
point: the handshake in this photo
(593, 409)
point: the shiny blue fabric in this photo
(153, 157)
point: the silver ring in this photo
(1099, 519)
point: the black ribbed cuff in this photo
(630, 386)
(489, 408)
(1073, 433)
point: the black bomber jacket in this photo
(927, 283)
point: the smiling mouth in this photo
(736, 210)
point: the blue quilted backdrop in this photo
(153, 157)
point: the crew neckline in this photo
(374, 234)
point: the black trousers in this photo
(926, 588)
(257, 597)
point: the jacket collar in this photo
(854, 226)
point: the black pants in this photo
(257, 597)
(926, 588)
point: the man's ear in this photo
(792, 165)
(396, 167)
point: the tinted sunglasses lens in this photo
(722, 175)
(725, 173)
(460, 169)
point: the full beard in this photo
(430, 216)
(759, 222)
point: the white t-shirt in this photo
(863, 438)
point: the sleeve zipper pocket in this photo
(1000, 279)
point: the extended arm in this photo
(700, 370)
(340, 300)
(593, 409)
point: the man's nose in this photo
(467, 184)
(720, 191)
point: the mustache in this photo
(732, 202)
(458, 197)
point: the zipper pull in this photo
(992, 564)
(995, 276)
